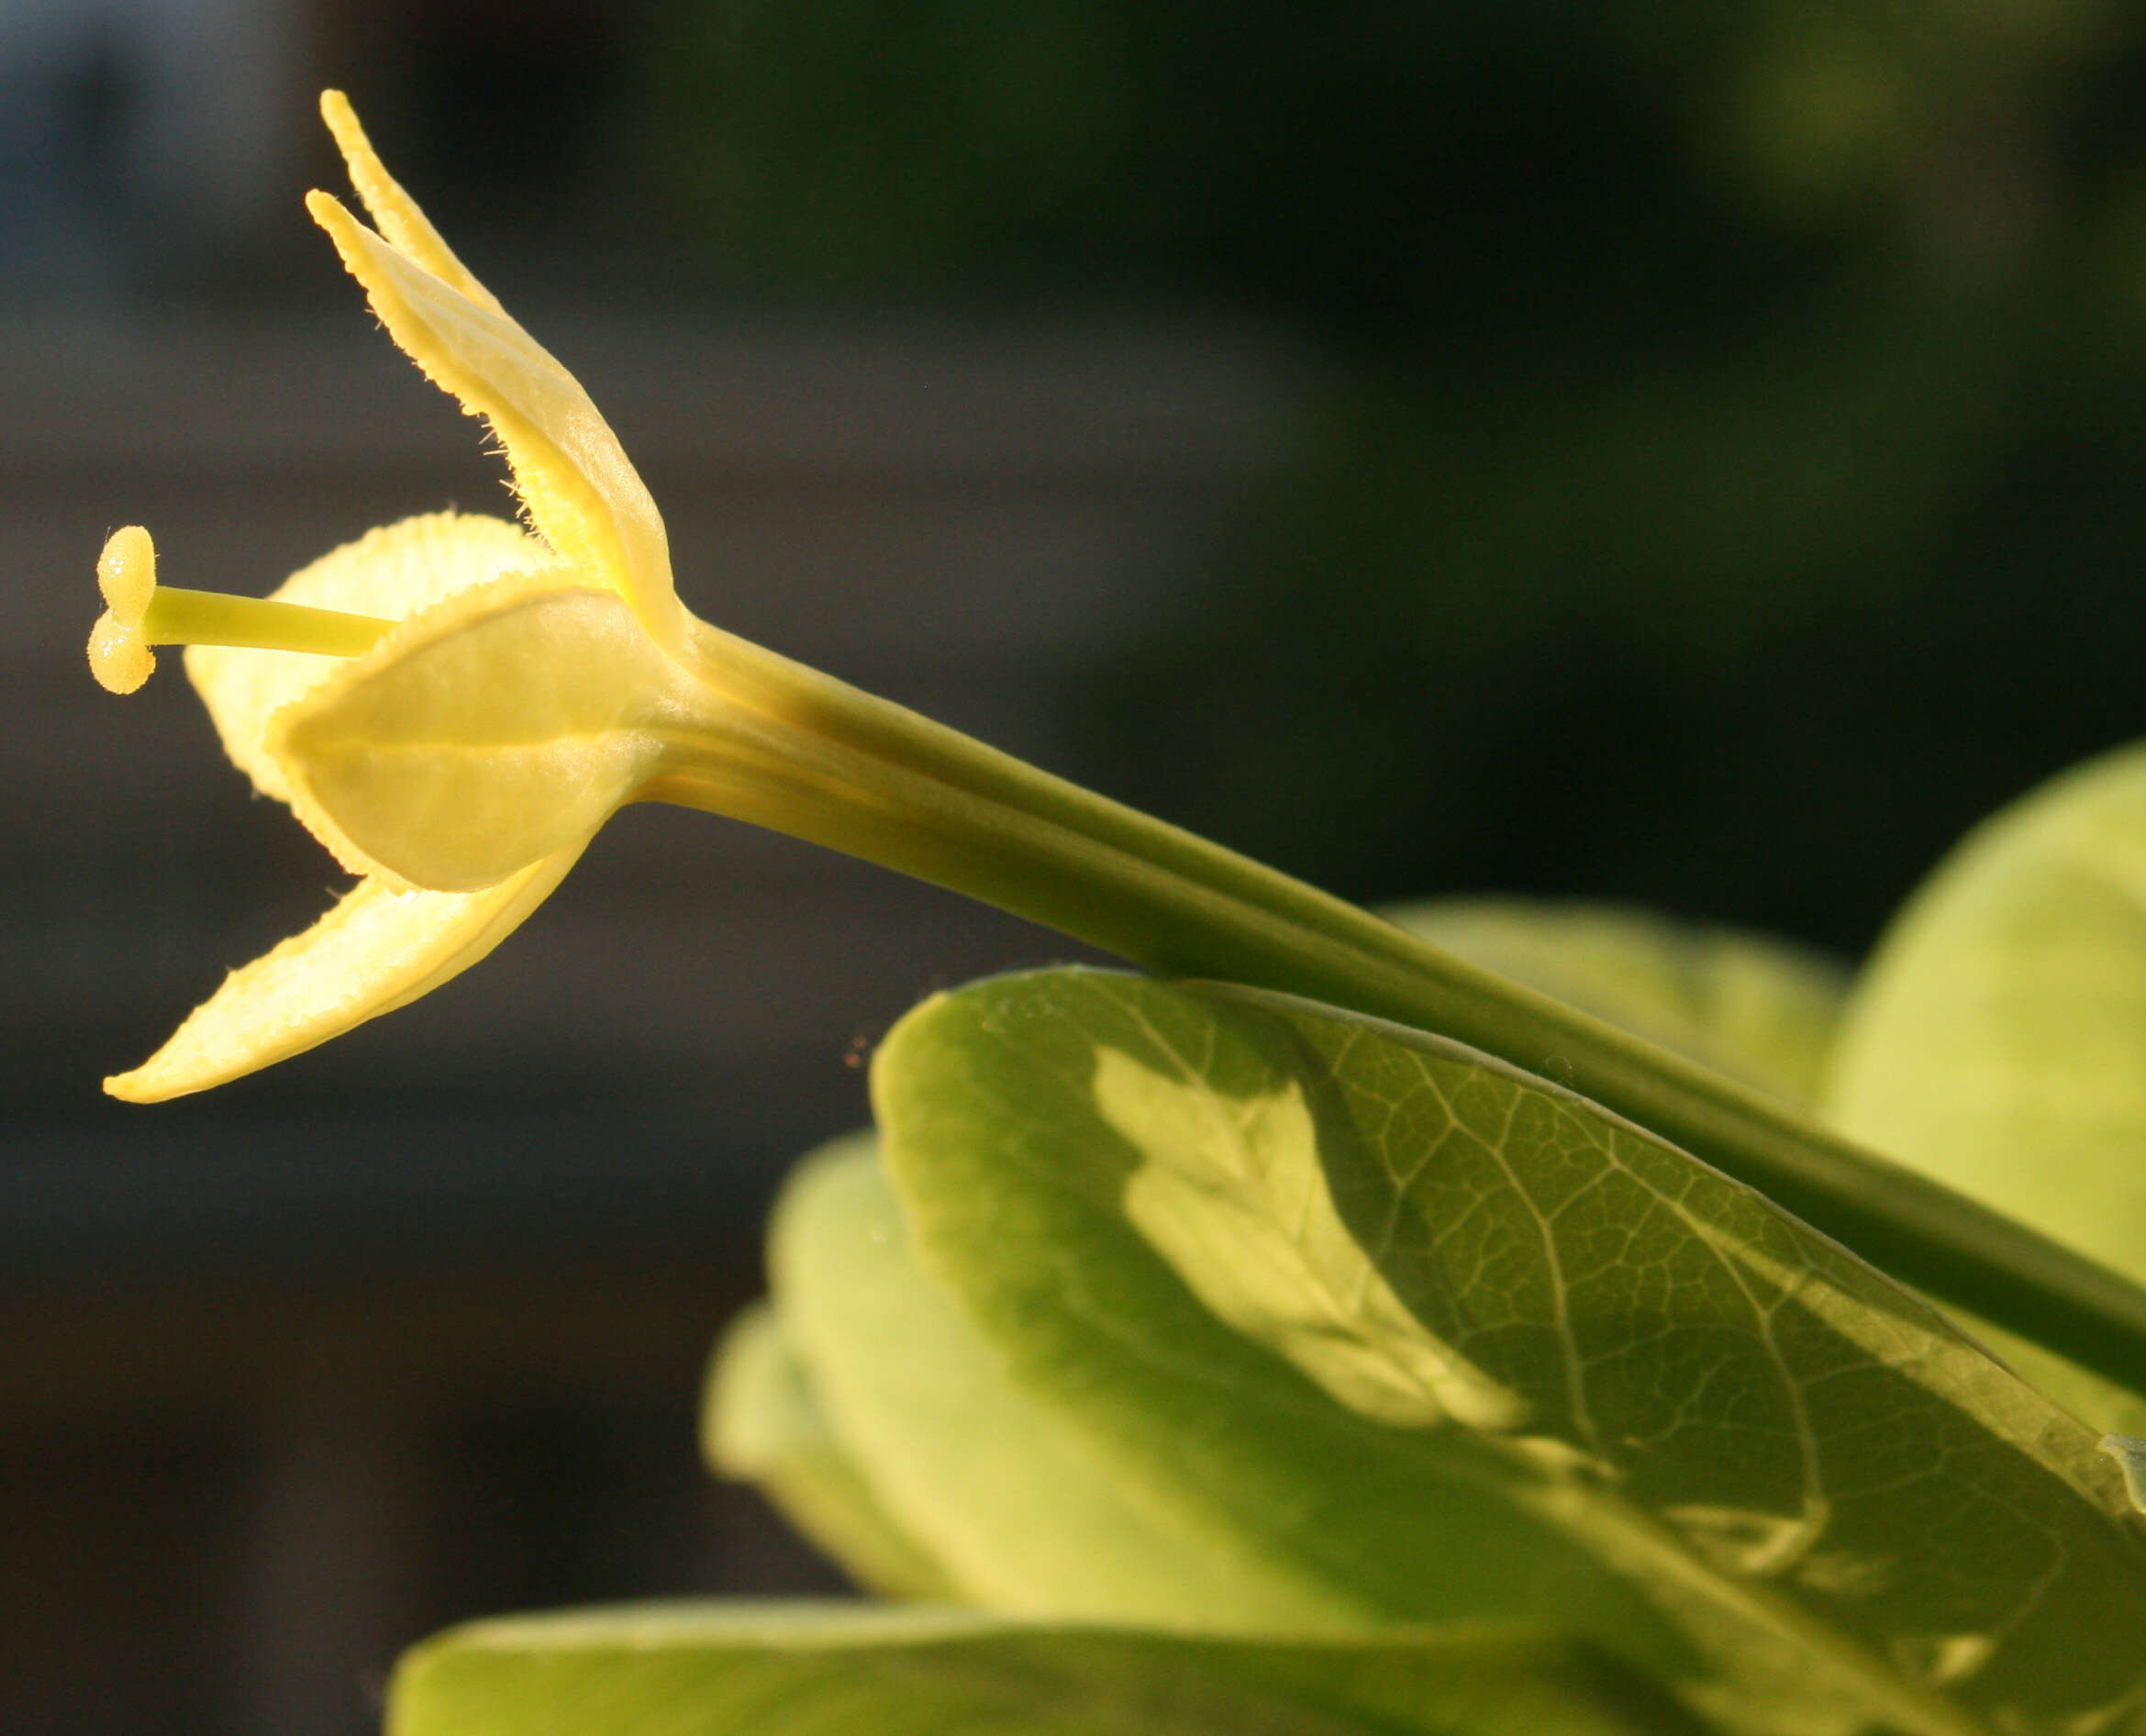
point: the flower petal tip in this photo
(325, 209)
(394, 212)
(373, 952)
(342, 121)
(140, 1086)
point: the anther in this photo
(120, 656)
(140, 613)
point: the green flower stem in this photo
(785, 746)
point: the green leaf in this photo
(1352, 1290)
(1997, 1039)
(834, 1670)
(763, 1422)
(1009, 1496)
(1758, 1010)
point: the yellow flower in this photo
(511, 682)
(454, 704)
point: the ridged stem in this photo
(881, 783)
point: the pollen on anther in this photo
(127, 571)
(120, 656)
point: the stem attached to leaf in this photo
(880, 782)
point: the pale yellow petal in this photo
(394, 211)
(582, 493)
(395, 572)
(375, 950)
(497, 728)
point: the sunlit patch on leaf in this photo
(1229, 1192)
(1855, 1515)
(1750, 1544)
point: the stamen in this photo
(141, 613)
(210, 618)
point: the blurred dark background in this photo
(1686, 453)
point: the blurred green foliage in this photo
(1725, 484)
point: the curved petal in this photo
(375, 952)
(394, 212)
(480, 736)
(580, 491)
(395, 572)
